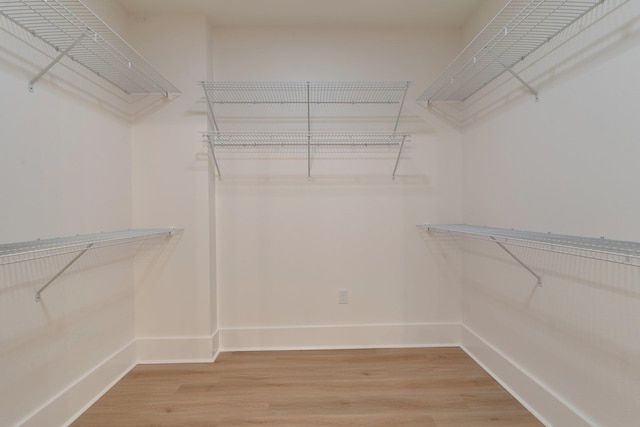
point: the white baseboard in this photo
(215, 340)
(178, 349)
(340, 337)
(71, 402)
(543, 403)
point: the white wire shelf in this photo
(12, 253)
(74, 31)
(307, 98)
(305, 92)
(304, 139)
(616, 251)
(520, 28)
(307, 144)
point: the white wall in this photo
(175, 292)
(280, 247)
(65, 169)
(481, 17)
(566, 164)
(285, 245)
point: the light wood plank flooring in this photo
(440, 387)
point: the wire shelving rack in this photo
(616, 251)
(74, 31)
(304, 96)
(519, 29)
(305, 92)
(12, 253)
(304, 139)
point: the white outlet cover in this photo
(343, 296)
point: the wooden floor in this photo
(392, 387)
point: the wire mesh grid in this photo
(306, 106)
(617, 251)
(295, 145)
(70, 25)
(305, 92)
(36, 249)
(520, 28)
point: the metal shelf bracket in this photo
(395, 129)
(65, 268)
(395, 168)
(213, 156)
(517, 77)
(537, 276)
(55, 61)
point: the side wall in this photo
(568, 165)
(287, 245)
(65, 169)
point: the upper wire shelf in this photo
(73, 30)
(520, 28)
(617, 251)
(304, 92)
(308, 99)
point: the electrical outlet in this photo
(343, 296)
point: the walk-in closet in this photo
(319, 213)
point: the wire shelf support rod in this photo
(526, 267)
(55, 61)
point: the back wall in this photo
(286, 245)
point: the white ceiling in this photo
(315, 13)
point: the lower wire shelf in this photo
(616, 251)
(12, 253)
(306, 143)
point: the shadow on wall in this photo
(584, 303)
(26, 55)
(576, 335)
(85, 316)
(578, 331)
(445, 251)
(599, 35)
(98, 281)
(335, 184)
(151, 260)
